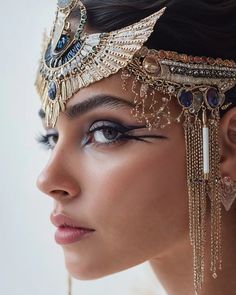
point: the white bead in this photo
(205, 133)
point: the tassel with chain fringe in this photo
(203, 177)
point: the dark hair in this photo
(197, 27)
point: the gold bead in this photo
(151, 65)
(214, 275)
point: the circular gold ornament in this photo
(151, 65)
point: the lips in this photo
(68, 230)
(61, 220)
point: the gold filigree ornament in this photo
(73, 59)
(199, 85)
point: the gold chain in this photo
(69, 285)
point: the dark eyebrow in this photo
(91, 103)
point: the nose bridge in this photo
(57, 177)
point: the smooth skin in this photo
(133, 193)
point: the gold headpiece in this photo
(72, 59)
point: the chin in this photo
(83, 276)
(85, 272)
(84, 267)
(86, 275)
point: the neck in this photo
(174, 269)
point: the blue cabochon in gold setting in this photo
(64, 3)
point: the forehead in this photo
(111, 85)
(110, 92)
(114, 86)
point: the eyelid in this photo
(50, 132)
(43, 139)
(98, 125)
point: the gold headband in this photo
(197, 83)
(73, 59)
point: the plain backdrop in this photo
(31, 263)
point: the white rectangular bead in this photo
(205, 133)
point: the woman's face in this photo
(128, 187)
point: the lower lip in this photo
(68, 235)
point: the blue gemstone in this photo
(52, 91)
(64, 3)
(186, 98)
(70, 54)
(65, 60)
(64, 40)
(213, 97)
(77, 46)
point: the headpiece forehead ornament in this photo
(73, 59)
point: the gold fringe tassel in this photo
(69, 285)
(196, 190)
(215, 194)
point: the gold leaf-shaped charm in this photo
(68, 88)
(62, 105)
(74, 84)
(45, 100)
(63, 91)
(48, 114)
(55, 114)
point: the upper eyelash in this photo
(110, 124)
(103, 126)
(43, 139)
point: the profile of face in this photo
(110, 173)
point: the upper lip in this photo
(61, 219)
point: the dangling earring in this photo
(228, 192)
(69, 285)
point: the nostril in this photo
(57, 194)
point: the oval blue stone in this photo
(52, 91)
(186, 98)
(64, 3)
(64, 40)
(213, 97)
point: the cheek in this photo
(139, 197)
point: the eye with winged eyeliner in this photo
(104, 133)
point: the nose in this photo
(58, 181)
